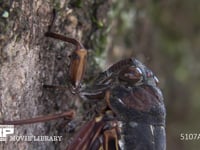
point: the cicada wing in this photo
(86, 136)
(160, 138)
(95, 136)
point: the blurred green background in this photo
(164, 35)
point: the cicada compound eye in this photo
(131, 74)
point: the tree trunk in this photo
(29, 60)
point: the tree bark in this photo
(29, 60)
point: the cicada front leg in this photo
(78, 58)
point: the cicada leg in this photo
(46, 86)
(110, 139)
(68, 115)
(101, 133)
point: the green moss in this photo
(56, 5)
(77, 3)
(97, 22)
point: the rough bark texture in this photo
(29, 60)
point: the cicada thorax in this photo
(142, 113)
(141, 104)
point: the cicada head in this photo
(147, 76)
